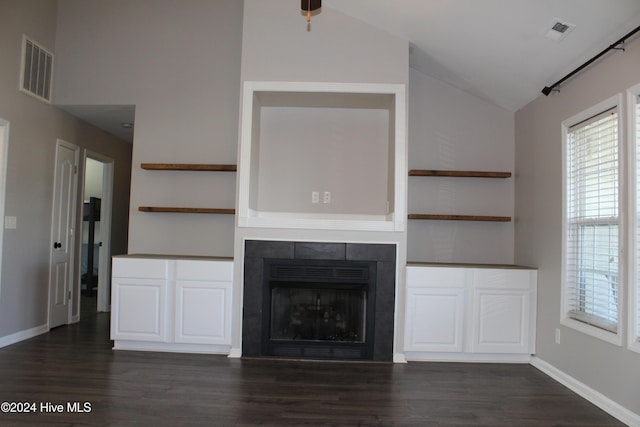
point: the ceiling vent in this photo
(558, 30)
(37, 67)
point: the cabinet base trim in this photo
(171, 347)
(421, 356)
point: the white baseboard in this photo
(600, 400)
(423, 356)
(399, 358)
(23, 335)
(235, 353)
(170, 347)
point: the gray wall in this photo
(34, 128)
(609, 369)
(178, 62)
(187, 111)
(452, 130)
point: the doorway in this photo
(62, 233)
(94, 287)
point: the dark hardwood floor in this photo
(76, 364)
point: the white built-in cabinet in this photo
(171, 304)
(470, 313)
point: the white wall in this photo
(607, 368)
(93, 179)
(178, 62)
(35, 126)
(453, 130)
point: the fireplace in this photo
(318, 309)
(318, 300)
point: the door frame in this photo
(104, 257)
(4, 152)
(74, 232)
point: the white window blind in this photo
(592, 258)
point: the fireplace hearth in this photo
(319, 300)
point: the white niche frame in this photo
(336, 95)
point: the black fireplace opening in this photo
(318, 309)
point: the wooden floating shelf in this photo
(461, 174)
(187, 210)
(189, 167)
(461, 217)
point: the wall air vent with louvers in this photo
(37, 67)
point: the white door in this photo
(65, 186)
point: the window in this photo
(634, 134)
(592, 222)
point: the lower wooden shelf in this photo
(460, 217)
(187, 210)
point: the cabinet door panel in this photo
(500, 321)
(202, 312)
(139, 309)
(435, 319)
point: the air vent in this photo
(352, 273)
(558, 30)
(304, 271)
(37, 67)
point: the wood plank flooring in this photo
(76, 364)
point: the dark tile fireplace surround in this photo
(377, 262)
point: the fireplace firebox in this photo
(318, 300)
(318, 309)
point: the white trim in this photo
(600, 400)
(246, 218)
(23, 335)
(399, 358)
(235, 353)
(4, 151)
(610, 337)
(106, 208)
(633, 331)
(171, 347)
(423, 356)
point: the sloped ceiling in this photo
(497, 49)
(494, 49)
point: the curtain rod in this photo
(548, 89)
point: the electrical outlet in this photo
(326, 197)
(315, 197)
(557, 336)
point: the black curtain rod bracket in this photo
(615, 46)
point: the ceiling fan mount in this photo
(310, 5)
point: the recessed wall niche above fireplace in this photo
(345, 142)
(319, 300)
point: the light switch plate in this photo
(11, 222)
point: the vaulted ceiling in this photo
(495, 49)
